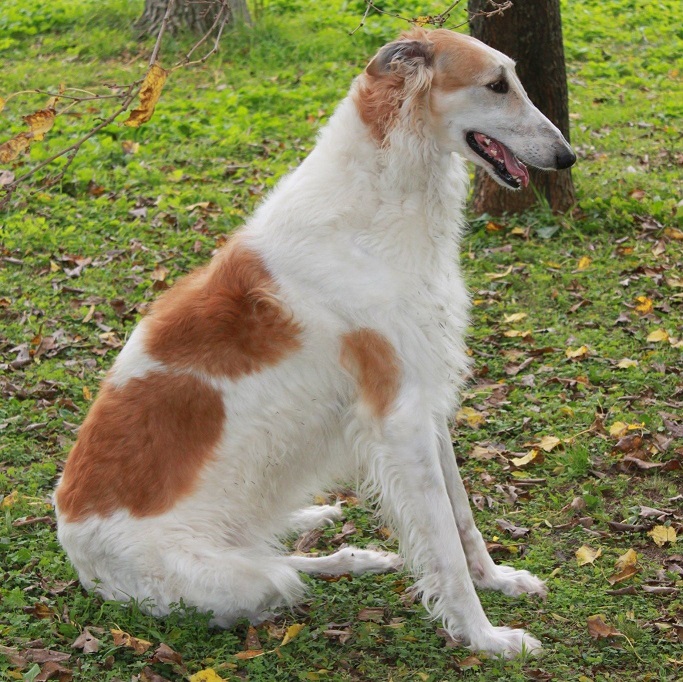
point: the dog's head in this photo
(467, 97)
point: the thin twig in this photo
(160, 35)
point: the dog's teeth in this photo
(487, 141)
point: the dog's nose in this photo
(565, 158)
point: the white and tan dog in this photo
(324, 343)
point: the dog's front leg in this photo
(485, 573)
(402, 456)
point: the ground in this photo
(571, 431)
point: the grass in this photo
(221, 137)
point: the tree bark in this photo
(531, 33)
(197, 16)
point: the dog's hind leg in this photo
(347, 560)
(485, 572)
(315, 516)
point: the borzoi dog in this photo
(325, 342)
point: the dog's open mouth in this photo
(504, 163)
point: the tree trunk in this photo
(531, 33)
(197, 16)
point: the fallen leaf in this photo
(549, 443)
(470, 416)
(129, 147)
(121, 638)
(584, 263)
(625, 363)
(149, 96)
(663, 534)
(87, 642)
(532, 456)
(483, 453)
(644, 305)
(469, 662)
(206, 675)
(657, 336)
(248, 654)
(374, 614)
(515, 531)
(498, 275)
(164, 654)
(671, 232)
(515, 317)
(53, 671)
(598, 629)
(577, 354)
(626, 567)
(587, 555)
(292, 632)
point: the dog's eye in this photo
(501, 86)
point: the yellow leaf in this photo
(548, 443)
(40, 122)
(493, 227)
(121, 638)
(671, 232)
(87, 393)
(584, 263)
(2, 103)
(149, 96)
(498, 275)
(580, 352)
(421, 21)
(625, 363)
(663, 534)
(515, 333)
(470, 416)
(644, 305)
(628, 558)
(520, 462)
(292, 632)
(657, 335)
(129, 147)
(10, 500)
(206, 675)
(587, 555)
(515, 317)
(12, 148)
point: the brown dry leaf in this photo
(549, 443)
(598, 629)
(374, 614)
(515, 531)
(130, 147)
(469, 662)
(12, 148)
(87, 642)
(149, 675)
(248, 654)
(479, 452)
(40, 122)
(671, 232)
(252, 641)
(493, 227)
(54, 671)
(663, 534)
(292, 632)
(149, 96)
(164, 654)
(587, 555)
(121, 638)
(42, 611)
(159, 273)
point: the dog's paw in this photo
(370, 560)
(507, 642)
(316, 516)
(513, 582)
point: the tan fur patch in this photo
(141, 447)
(224, 319)
(371, 359)
(460, 61)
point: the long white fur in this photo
(361, 235)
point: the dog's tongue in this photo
(498, 150)
(515, 167)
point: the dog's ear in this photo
(400, 54)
